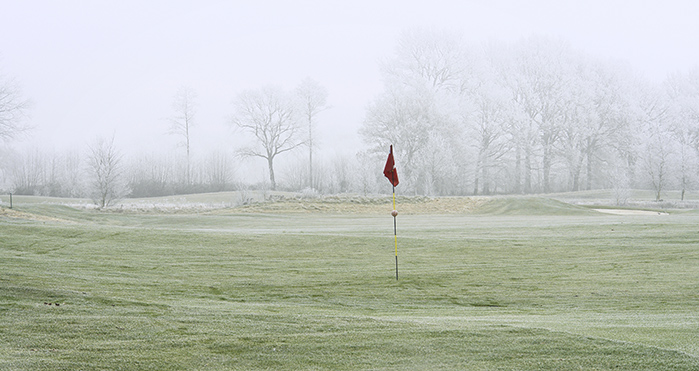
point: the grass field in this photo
(513, 284)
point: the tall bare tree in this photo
(657, 150)
(270, 116)
(428, 58)
(29, 172)
(485, 114)
(313, 100)
(544, 74)
(683, 114)
(219, 171)
(402, 118)
(184, 106)
(105, 170)
(595, 124)
(13, 110)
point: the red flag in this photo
(390, 169)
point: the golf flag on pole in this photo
(390, 169)
(390, 172)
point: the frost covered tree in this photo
(13, 110)
(682, 90)
(415, 112)
(184, 107)
(428, 58)
(541, 88)
(485, 114)
(531, 116)
(105, 170)
(596, 122)
(657, 148)
(313, 99)
(269, 114)
(218, 171)
(28, 172)
(403, 119)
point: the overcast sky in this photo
(96, 68)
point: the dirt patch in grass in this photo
(13, 214)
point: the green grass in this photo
(507, 290)
(529, 206)
(635, 194)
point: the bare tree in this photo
(219, 171)
(402, 118)
(313, 99)
(658, 149)
(595, 123)
(13, 110)
(429, 70)
(29, 172)
(341, 176)
(683, 92)
(532, 116)
(270, 116)
(38, 172)
(152, 175)
(657, 160)
(72, 170)
(541, 89)
(428, 58)
(181, 122)
(105, 170)
(485, 114)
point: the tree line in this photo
(532, 116)
(104, 174)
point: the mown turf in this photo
(317, 291)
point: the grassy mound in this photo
(529, 206)
(419, 205)
(291, 204)
(353, 204)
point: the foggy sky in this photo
(97, 68)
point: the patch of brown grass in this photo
(13, 214)
(368, 205)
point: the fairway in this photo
(501, 289)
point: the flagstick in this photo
(395, 231)
(389, 171)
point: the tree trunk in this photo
(630, 172)
(310, 152)
(477, 173)
(659, 187)
(486, 181)
(589, 170)
(189, 166)
(576, 171)
(527, 171)
(310, 168)
(547, 169)
(270, 164)
(576, 180)
(518, 171)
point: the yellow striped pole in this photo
(389, 171)
(395, 231)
